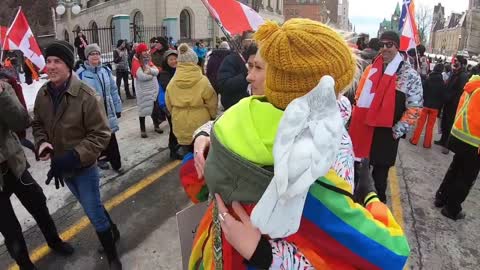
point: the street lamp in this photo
(64, 4)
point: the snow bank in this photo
(30, 92)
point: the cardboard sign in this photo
(187, 222)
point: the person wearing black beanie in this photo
(62, 50)
(71, 129)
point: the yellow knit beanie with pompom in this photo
(299, 53)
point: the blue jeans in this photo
(85, 187)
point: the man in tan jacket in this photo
(15, 179)
(71, 129)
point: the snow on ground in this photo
(30, 92)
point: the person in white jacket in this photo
(146, 85)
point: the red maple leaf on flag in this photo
(33, 45)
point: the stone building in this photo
(318, 10)
(392, 24)
(456, 33)
(438, 22)
(343, 18)
(184, 20)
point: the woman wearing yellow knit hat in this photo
(276, 167)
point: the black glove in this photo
(58, 179)
(119, 114)
(365, 182)
(65, 163)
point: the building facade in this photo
(325, 11)
(438, 22)
(343, 18)
(392, 24)
(183, 20)
(458, 32)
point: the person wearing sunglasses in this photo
(389, 101)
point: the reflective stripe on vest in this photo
(464, 133)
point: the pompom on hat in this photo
(186, 54)
(299, 53)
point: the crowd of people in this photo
(298, 152)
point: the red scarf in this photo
(376, 104)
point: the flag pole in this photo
(236, 46)
(1, 48)
(8, 32)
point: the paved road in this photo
(150, 238)
(436, 242)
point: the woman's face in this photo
(257, 75)
(172, 61)
(94, 59)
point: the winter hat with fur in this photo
(298, 54)
(186, 54)
(92, 48)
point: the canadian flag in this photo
(20, 37)
(410, 38)
(235, 17)
(3, 34)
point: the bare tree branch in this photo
(423, 16)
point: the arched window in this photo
(112, 30)
(66, 36)
(137, 23)
(94, 29)
(185, 25)
(138, 18)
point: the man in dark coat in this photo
(232, 81)
(455, 86)
(433, 99)
(214, 61)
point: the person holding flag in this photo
(389, 101)
(20, 37)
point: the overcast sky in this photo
(366, 15)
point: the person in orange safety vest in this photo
(464, 142)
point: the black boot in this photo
(19, 252)
(115, 232)
(143, 131)
(106, 239)
(49, 230)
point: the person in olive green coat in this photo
(15, 179)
